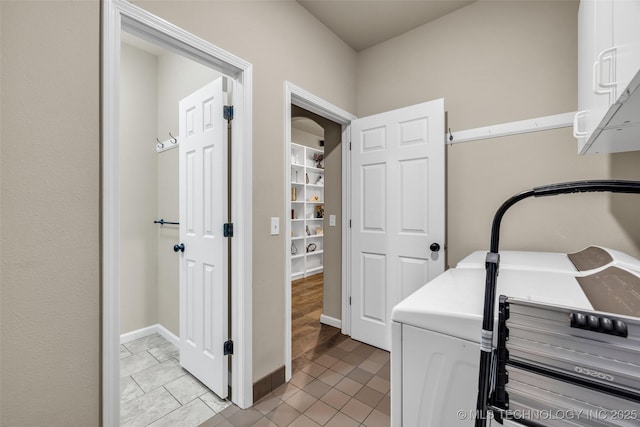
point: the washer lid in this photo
(522, 260)
(452, 303)
(585, 261)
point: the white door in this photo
(397, 191)
(203, 211)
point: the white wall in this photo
(138, 196)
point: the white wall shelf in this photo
(307, 199)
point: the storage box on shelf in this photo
(307, 211)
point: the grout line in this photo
(150, 354)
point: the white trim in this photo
(304, 99)
(331, 321)
(150, 330)
(168, 335)
(317, 105)
(556, 121)
(287, 232)
(119, 14)
(138, 333)
(110, 89)
(346, 234)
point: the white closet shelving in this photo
(307, 211)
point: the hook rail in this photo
(167, 145)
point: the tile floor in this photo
(336, 381)
(348, 385)
(156, 391)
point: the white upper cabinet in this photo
(608, 119)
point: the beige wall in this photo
(138, 198)
(495, 62)
(50, 294)
(283, 42)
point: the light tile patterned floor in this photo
(156, 391)
(348, 385)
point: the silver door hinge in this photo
(228, 347)
(227, 112)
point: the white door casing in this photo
(203, 211)
(397, 191)
(122, 15)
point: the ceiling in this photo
(365, 23)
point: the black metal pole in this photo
(492, 266)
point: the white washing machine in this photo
(435, 348)
(585, 261)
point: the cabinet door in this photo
(596, 67)
(586, 57)
(626, 40)
(604, 66)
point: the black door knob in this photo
(178, 248)
(434, 247)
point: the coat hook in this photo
(450, 136)
(160, 144)
(175, 140)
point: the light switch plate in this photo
(275, 226)
(332, 220)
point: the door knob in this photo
(178, 248)
(435, 247)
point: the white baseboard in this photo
(168, 335)
(150, 330)
(331, 321)
(139, 333)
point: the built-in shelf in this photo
(307, 203)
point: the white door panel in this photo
(203, 209)
(397, 163)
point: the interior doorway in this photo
(334, 123)
(121, 15)
(315, 235)
(156, 362)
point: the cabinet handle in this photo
(577, 133)
(609, 88)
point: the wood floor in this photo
(309, 337)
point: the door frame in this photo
(118, 15)
(296, 95)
